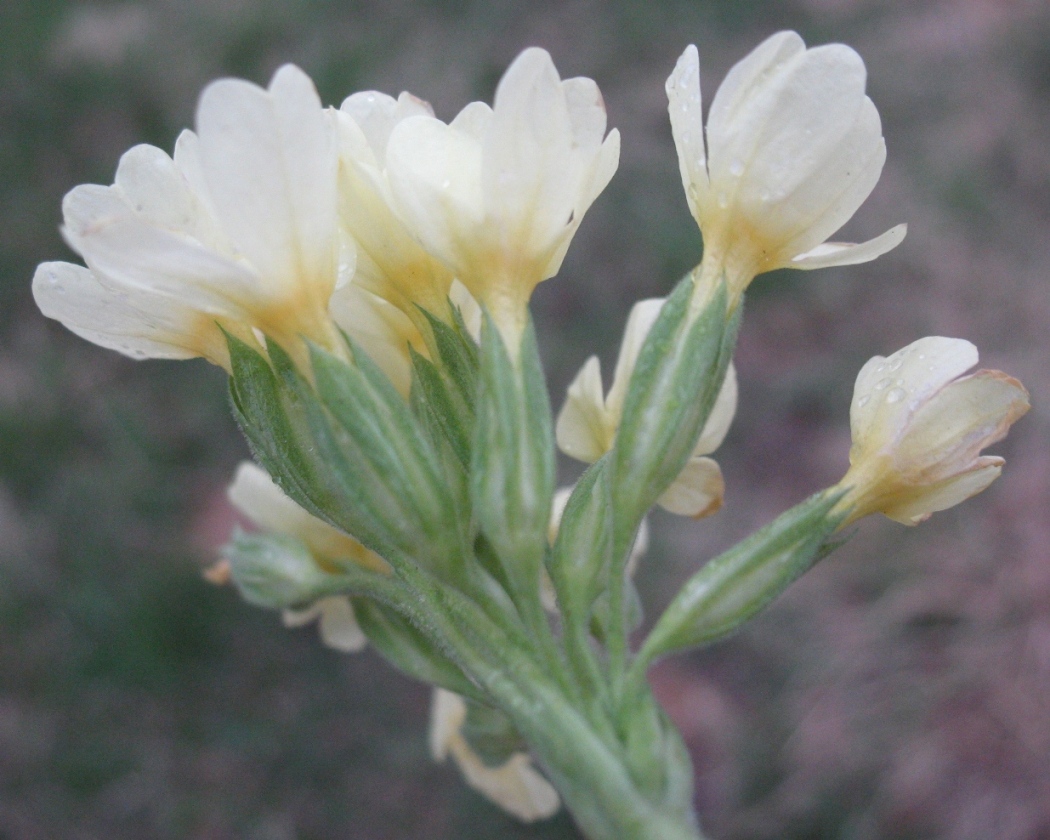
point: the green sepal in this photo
(583, 547)
(274, 422)
(676, 380)
(512, 468)
(400, 642)
(634, 612)
(457, 354)
(736, 585)
(445, 408)
(396, 454)
(491, 734)
(276, 571)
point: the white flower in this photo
(516, 786)
(390, 263)
(238, 230)
(255, 495)
(919, 426)
(793, 148)
(498, 194)
(589, 420)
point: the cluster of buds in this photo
(364, 275)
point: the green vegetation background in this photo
(899, 691)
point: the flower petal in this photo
(338, 625)
(848, 253)
(643, 315)
(684, 105)
(836, 187)
(929, 499)
(269, 161)
(136, 323)
(721, 418)
(139, 256)
(435, 178)
(377, 113)
(382, 329)
(948, 431)
(474, 120)
(516, 786)
(697, 491)
(255, 495)
(156, 189)
(582, 430)
(780, 114)
(887, 389)
(586, 112)
(529, 175)
(469, 310)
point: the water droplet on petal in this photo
(896, 364)
(736, 168)
(723, 200)
(896, 395)
(882, 385)
(863, 401)
(446, 184)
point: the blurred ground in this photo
(901, 690)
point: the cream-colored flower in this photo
(516, 786)
(919, 426)
(793, 148)
(589, 420)
(238, 229)
(390, 262)
(498, 194)
(255, 495)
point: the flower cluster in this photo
(282, 218)
(364, 274)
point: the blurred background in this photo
(900, 690)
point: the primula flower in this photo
(255, 495)
(516, 786)
(793, 147)
(237, 230)
(390, 263)
(919, 426)
(588, 422)
(498, 194)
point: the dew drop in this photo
(763, 196)
(723, 200)
(896, 395)
(863, 401)
(446, 184)
(736, 168)
(882, 385)
(880, 368)
(896, 364)
(922, 356)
